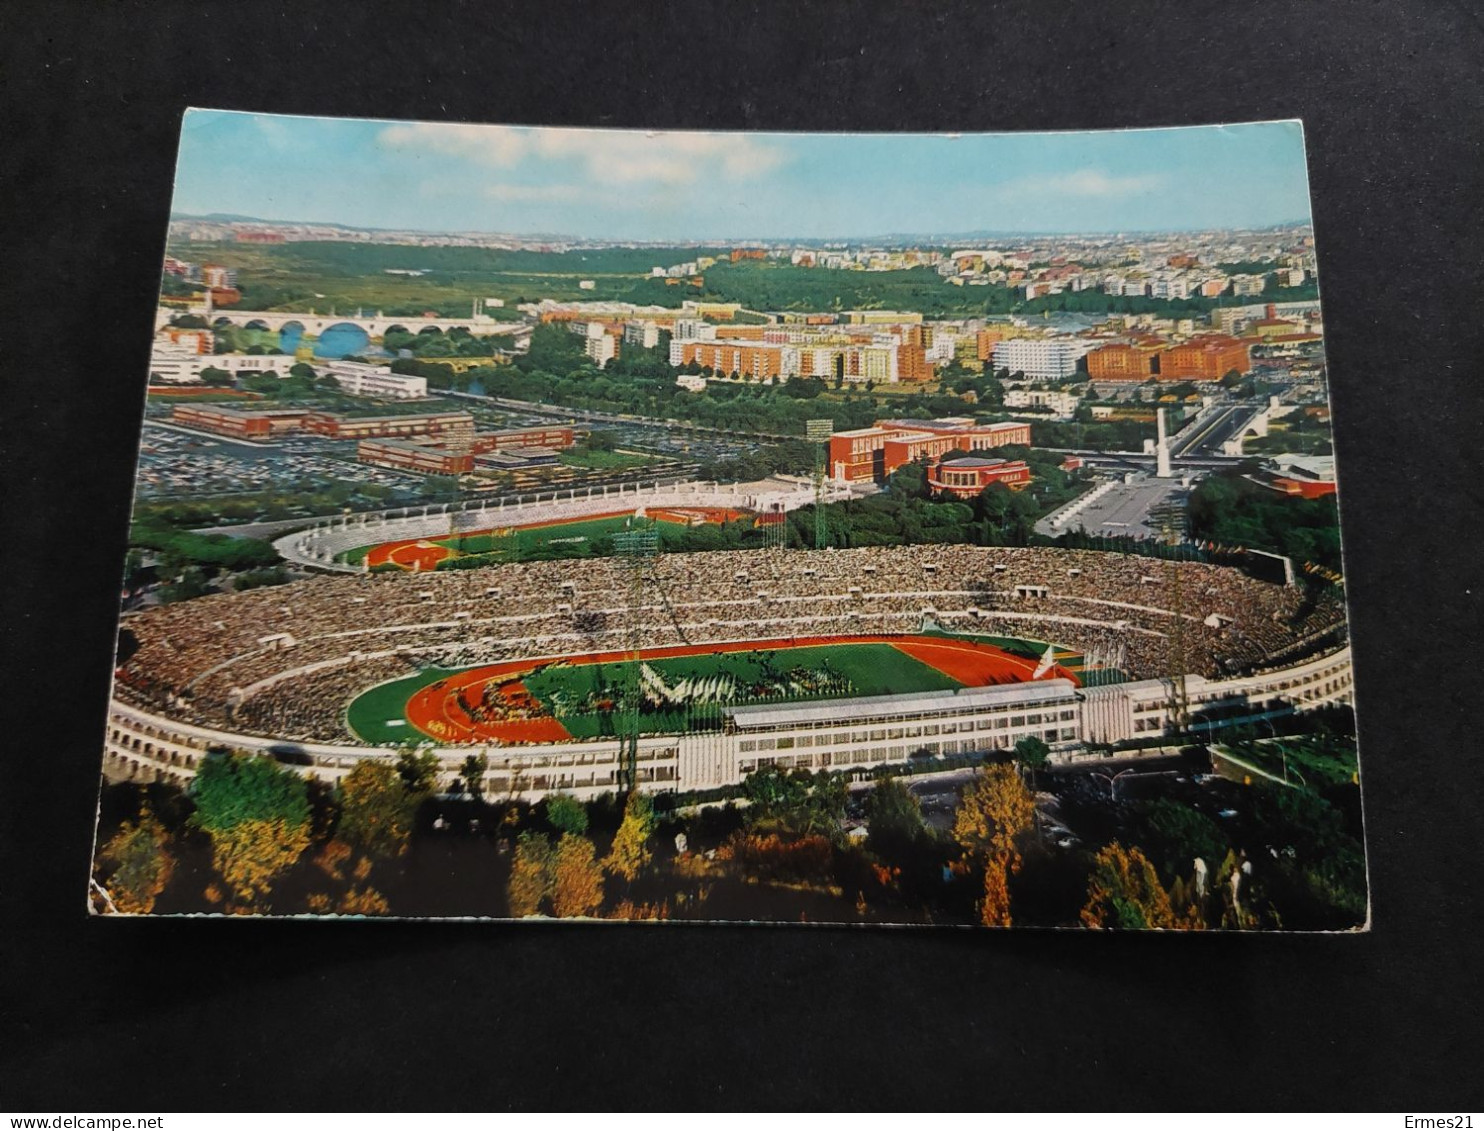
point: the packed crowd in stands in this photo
(238, 660)
(311, 705)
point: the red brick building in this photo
(863, 454)
(1121, 361)
(1204, 359)
(404, 455)
(754, 362)
(912, 362)
(380, 427)
(967, 476)
(239, 423)
(540, 436)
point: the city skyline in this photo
(688, 187)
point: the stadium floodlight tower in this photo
(818, 432)
(638, 547)
(1171, 519)
(459, 444)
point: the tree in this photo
(217, 378)
(472, 771)
(576, 880)
(1173, 836)
(893, 816)
(418, 770)
(530, 874)
(566, 814)
(1031, 754)
(142, 864)
(253, 854)
(994, 811)
(994, 908)
(376, 809)
(257, 815)
(301, 369)
(628, 855)
(1124, 891)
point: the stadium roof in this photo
(764, 716)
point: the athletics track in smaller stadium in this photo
(422, 554)
(438, 705)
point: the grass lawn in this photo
(1015, 645)
(1309, 441)
(528, 540)
(379, 715)
(873, 669)
(1313, 760)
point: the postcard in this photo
(796, 528)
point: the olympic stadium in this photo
(687, 671)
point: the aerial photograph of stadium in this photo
(813, 528)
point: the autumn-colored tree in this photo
(1124, 891)
(257, 815)
(142, 864)
(627, 910)
(530, 874)
(376, 809)
(994, 812)
(994, 908)
(252, 854)
(629, 853)
(577, 880)
(362, 901)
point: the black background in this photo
(184, 1015)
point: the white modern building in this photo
(1058, 403)
(359, 379)
(1041, 359)
(177, 365)
(601, 348)
(645, 334)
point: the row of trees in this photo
(1231, 509)
(254, 836)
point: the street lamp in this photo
(1113, 781)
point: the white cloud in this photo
(1087, 183)
(606, 157)
(499, 146)
(627, 157)
(564, 194)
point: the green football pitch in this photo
(523, 541)
(379, 714)
(872, 669)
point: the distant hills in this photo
(886, 239)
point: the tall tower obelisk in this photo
(1161, 447)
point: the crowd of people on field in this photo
(253, 659)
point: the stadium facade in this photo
(243, 671)
(847, 735)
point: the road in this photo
(1206, 437)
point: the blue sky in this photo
(717, 186)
